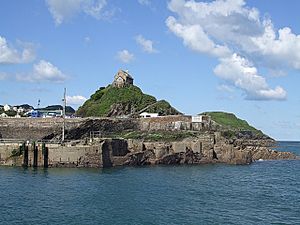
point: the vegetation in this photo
(230, 121)
(11, 113)
(69, 109)
(156, 135)
(163, 108)
(113, 101)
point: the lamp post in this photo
(64, 115)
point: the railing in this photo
(10, 141)
(20, 141)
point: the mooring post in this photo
(35, 155)
(25, 154)
(22, 148)
(45, 151)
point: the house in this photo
(201, 119)
(3, 115)
(7, 107)
(122, 79)
(148, 115)
(20, 110)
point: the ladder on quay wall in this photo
(95, 134)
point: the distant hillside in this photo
(230, 121)
(113, 101)
(25, 106)
(69, 109)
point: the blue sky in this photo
(231, 55)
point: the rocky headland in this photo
(112, 132)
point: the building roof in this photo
(146, 113)
(124, 72)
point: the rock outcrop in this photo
(190, 151)
(108, 142)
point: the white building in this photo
(148, 115)
(3, 115)
(7, 107)
(20, 110)
(201, 119)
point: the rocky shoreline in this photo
(119, 152)
(125, 143)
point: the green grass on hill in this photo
(163, 108)
(155, 135)
(111, 101)
(230, 121)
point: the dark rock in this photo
(170, 159)
(140, 158)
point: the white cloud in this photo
(195, 38)
(144, 2)
(125, 56)
(147, 45)
(283, 50)
(76, 100)
(229, 29)
(242, 74)
(66, 9)
(43, 72)
(11, 55)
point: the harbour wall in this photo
(38, 128)
(101, 152)
(34, 128)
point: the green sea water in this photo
(266, 192)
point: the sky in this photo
(236, 56)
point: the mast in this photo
(64, 115)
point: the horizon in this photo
(234, 56)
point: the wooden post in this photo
(25, 154)
(35, 155)
(45, 151)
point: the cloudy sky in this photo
(232, 55)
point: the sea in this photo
(265, 192)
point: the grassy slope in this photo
(230, 121)
(102, 101)
(155, 135)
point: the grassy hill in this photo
(113, 101)
(234, 127)
(230, 121)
